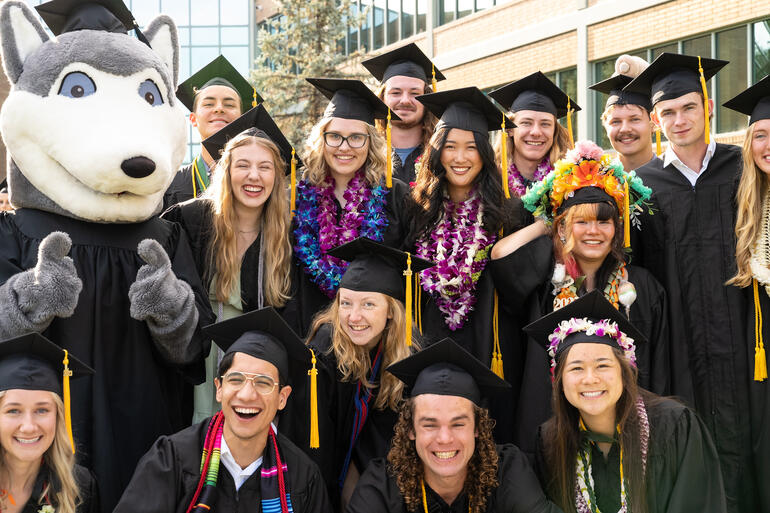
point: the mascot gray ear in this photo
(21, 34)
(163, 37)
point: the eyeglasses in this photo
(335, 140)
(264, 385)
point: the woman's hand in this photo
(514, 241)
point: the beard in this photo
(403, 125)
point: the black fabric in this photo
(180, 189)
(70, 15)
(518, 490)
(166, 478)
(688, 244)
(351, 99)
(591, 194)
(754, 101)
(534, 92)
(682, 466)
(135, 395)
(613, 87)
(466, 108)
(89, 493)
(404, 170)
(405, 61)
(523, 279)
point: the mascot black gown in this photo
(94, 136)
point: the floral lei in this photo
(460, 248)
(618, 291)
(585, 496)
(518, 184)
(317, 229)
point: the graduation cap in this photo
(672, 75)
(445, 368)
(754, 101)
(590, 318)
(71, 15)
(406, 61)
(32, 362)
(614, 85)
(265, 335)
(375, 267)
(535, 92)
(217, 72)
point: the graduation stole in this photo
(361, 400)
(274, 473)
(618, 291)
(199, 178)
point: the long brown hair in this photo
(60, 459)
(428, 119)
(353, 361)
(561, 438)
(559, 146)
(406, 466)
(748, 222)
(223, 250)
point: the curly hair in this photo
(406, 466)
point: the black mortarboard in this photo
(445, 368)
(592, 306)
(351, 99)
(262, 334)
(754, 101)
(375, 267)
(70, 15)
(534, 92)
(217, 72)
(673, 75)
(614, 85)
(261, 124)
(467, 109)
(590, 194)
(406, 61)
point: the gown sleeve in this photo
(517, 275)
(376, 491)
(519, 490)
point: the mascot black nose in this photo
(138, 167)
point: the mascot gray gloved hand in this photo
(30, 300)
(94, 134)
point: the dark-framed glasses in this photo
(335, 140)
(264, 385)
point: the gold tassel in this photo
(626, 216)
(313, 373)
(760, 361)
(497, 355)
(705, 100)
(658, 150)
(254, 98)
(504, 158)
(293, 182)
(408, 299)
(418, 300)
(66, 396)
(389, 159)
(433, 80)
(569, 123)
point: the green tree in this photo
(305, 40)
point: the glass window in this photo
(204, 12)
(233, 12)
(366, 6)
(761, 50)
(551, 76)
(422, 9)
(484, 4)
(602, 70)
(184, 64)
(353, 30)
(179, 10)
(200, 56)
(235, 35)
(731, 46)
(393, 21)
(464, 8)
(407, 18)
(238, 57)
(184, 36)
(204, 36)
(568, 82)
(145, 10)
(698, 46)
(446, 11)
(671, 48)
(378, 31)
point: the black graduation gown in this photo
(311, 299)
(89, 494)
(167, 476)
(134, 396)
(196, 219)
(688, 244)
(404, 170)
(524, 281)
(181, 189)
(518, 490)
(682, 464)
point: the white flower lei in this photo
(760, 253)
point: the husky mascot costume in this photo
(94, 136)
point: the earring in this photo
(563, 239)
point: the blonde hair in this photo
(559, 146)
(316, 167)
(223, 251)
(748, 222)
(60, 459)
(353, 361)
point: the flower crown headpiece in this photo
(586, 166)
(601, 328)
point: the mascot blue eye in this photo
(77, 85)
(150, 92)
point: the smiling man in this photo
(236, 461)
(443, 457)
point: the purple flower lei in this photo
(317, 229)
(460, 247)
(518, 184)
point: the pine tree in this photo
(306, 40)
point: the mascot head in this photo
(92, 126)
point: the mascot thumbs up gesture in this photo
(94, 134)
